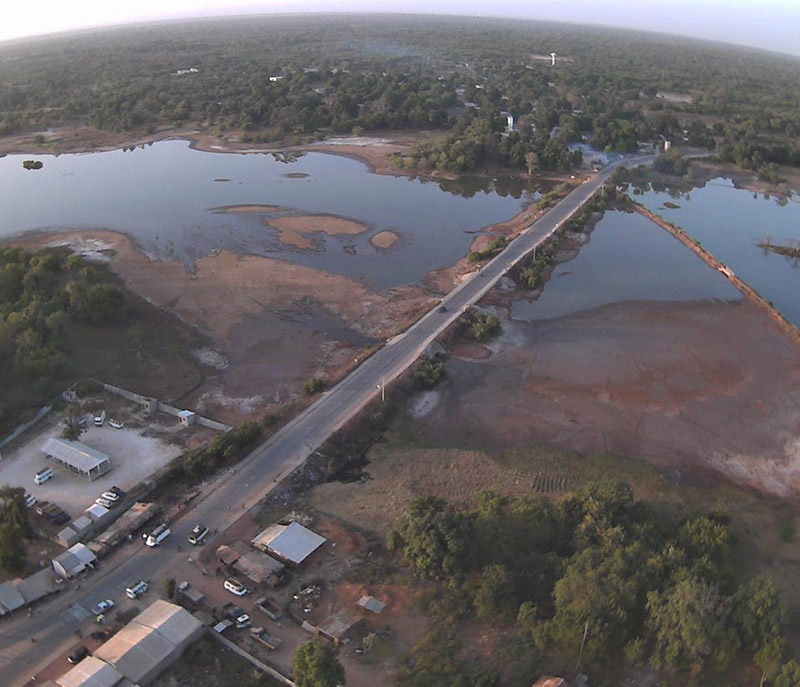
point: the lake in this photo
(166, 197)
(628, 258)
(730, 222)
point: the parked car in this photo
(100, 419)
(198, 534)
(110, 496)
(119, 492)
(235, 587)
(43, 475)
(29, 500)
(158, 535)
(82, 422)
(100, 501)
(102, 607)
(78, 655)
(116, 424)
(136, 589)
(442, 308)
(237, 615)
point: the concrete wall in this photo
(161, 406)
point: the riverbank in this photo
(256, 310)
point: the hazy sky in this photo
(768, 24)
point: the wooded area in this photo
(597, 578)
(273, 77)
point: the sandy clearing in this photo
(292, 230)
(384, 239)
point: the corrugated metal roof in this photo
(83, 553)
(230, 553)
(90, 672)
(69, 562)
(96, 511)
(291, 542)
(172, 622)
(10, 597)
(135, 650)
(38, 585)
(258, 566)
(78, 455)
(371, 604)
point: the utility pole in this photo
(382, 387)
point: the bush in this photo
(484, 326)
(313, 386)
(429, 372)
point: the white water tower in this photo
(553, 58)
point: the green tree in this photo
(434, 538)
(494, 598)
(315, 665)
(759, 617)
(691, 627)
(12, 548)
(789, 675)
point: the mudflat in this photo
(276, 323)
(698, 386)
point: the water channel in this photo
(628, 258)
(730, 223)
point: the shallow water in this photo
(628, 258)
(164, 196)
(730, 222)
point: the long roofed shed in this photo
(77, 457)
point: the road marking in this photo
(79, 612)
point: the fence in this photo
(154, 405)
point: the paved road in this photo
(244, 486)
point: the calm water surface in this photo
(164, 197)
(730, 222)
(627, 259)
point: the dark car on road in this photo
(78, 655)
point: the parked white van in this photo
(136, 589)
(43, 475)
(158, 535)
(100, 419)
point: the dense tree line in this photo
(41, 294)
(272, 76)
(596, 575)
(14, 528)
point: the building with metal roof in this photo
(10, 598)
(91, 672)
(74, 560)
(256, 566)
(370, 603)
(336, 626)
(151, 641)
(38, 585)
(77, 457)
(291, 543)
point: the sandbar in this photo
(384, 239)
(293, 230)
(249, 209)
